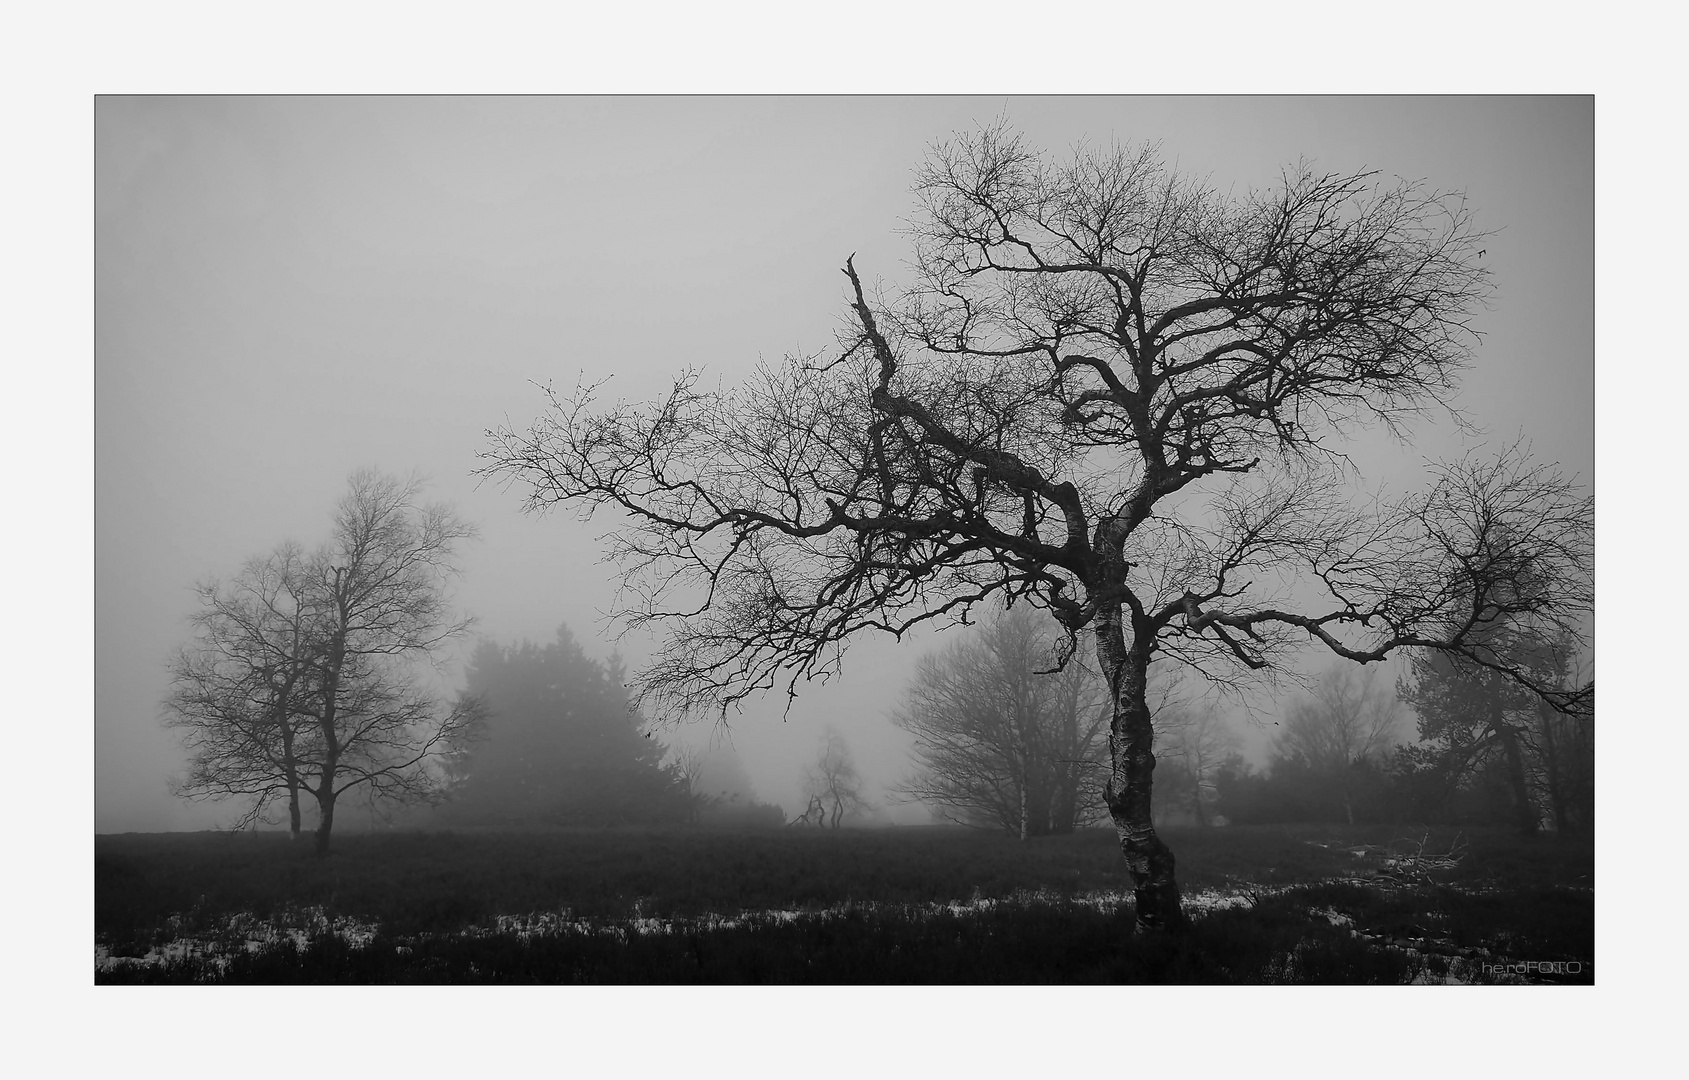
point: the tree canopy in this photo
(1476, 722)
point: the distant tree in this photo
(1001, 736)
(833, 782)
(686, 765)
(1109, 391)
(814, 813)
(1347, 716)
(1463, 726)
(562, 745)
(383, 614)
(1193, 741)
(238, 688)
(1339, 735)
(722, 775)
(1473, 719)
(730, 800)
(304, 677)
(1239, 792)
(1564, 745)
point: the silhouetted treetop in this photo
(562, 745)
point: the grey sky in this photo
(288, 289)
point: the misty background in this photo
(291, 289)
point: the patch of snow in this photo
(1332, 916)
(248, 933)
(245, 932)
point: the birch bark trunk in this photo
(1131, 776)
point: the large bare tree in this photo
(1003, 739)
(1111, 391)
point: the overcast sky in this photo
(290, 289)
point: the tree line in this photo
(563, 746)
(280, 696)
(1487, 754)
(312, 675)
(1005, 740)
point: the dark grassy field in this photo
(1271, 904)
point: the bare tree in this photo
(1113, 392)
(1194, 740)
(237, 688)
(1349, 716)
(814, 813)
(303, 678)
(832, 782)
(1001, 737)
(1347, 719)
(687, 766)
(384, 610)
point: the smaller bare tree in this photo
(383, 609)
(303, 674)
(1193, 741)
(1348, 718)
(813, 814)
(833, 780)
(687, 766)
(1000, 737)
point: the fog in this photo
(291, 289)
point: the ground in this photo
(1269, 904)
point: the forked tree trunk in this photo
(1131, 739)
(326, 798)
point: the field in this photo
(1302, 904)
